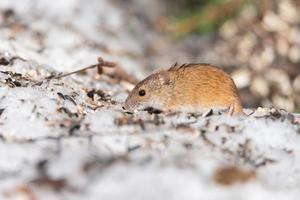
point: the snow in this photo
(59, 143)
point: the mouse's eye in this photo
(142, 92)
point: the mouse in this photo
(193, 87)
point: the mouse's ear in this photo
(164, 78)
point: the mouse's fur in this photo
(188, 87)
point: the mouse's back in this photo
(202, 86)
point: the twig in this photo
(101, 63)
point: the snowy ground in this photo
(69, 139)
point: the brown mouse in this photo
(189, 88)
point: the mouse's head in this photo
(151, 92)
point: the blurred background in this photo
(256, 41)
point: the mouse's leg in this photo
(235, 109)
(231, 110)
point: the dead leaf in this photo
(230, 175)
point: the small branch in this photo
(101, 63)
